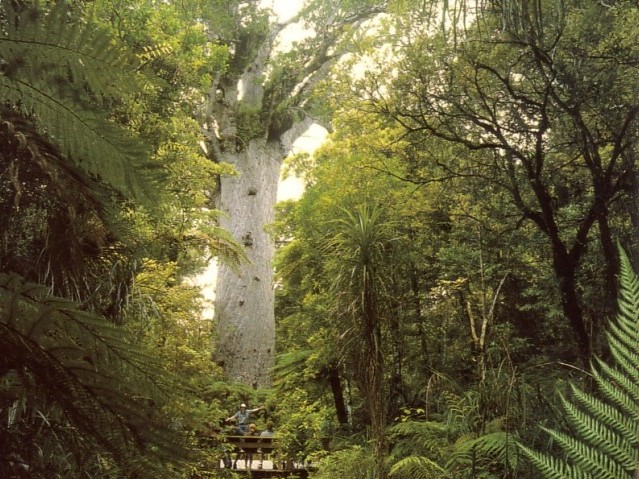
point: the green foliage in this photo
(60, 72)
(466, 229)
(288, 364)
(183, 47)
(251, 36)
(603, 441)
(300, 422)
(489, 452)
(74, 375)
(523, 107)
(249, 124)
(43, 200)
(183, 43)
(353, 462)
(81, 401)
(433, 449)
(360, 242)
(418, 467)
(425, 438)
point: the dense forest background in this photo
(445, 280)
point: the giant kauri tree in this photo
(257, 108)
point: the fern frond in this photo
(58, 49)
(155, 51)
(427, 435)
(106, 387)
(588, 459)
(220, 243)
(628, 293)
(97, 146)
(418, 467)
(595, 432)
(287, 363)
(57, 72)
(625, 356)
(418, 428)
(606, 413)
(622, 380)
(604, 443)
(553, 468)
(615, 395)
(623, 333)
(499, 447)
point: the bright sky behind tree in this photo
(292, 187)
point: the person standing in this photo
(241, 418)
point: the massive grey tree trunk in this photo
(244, 304)
(252, 119)
(244, 296)
(244, 307)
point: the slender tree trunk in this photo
(372, 363)
(611, 262)
(338, 395)
(416, 309)
(565, 269)
(396, 397)
(565, 261)
(633, 247)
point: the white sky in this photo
(292, 187)
(284, 9)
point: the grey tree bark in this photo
(244, 296)
(255, 112)
(244, 305)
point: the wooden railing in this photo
(237, 452)
(253, 444)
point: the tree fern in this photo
(288, 364)
(59, 73)
(418, 467)
(105, 387)
(604, 440)
(498, 448)
(423, 436)
(435, 450)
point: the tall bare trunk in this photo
(244, 297)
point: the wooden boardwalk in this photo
(237, 461)
(268, 470)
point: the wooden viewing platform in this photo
(255, 457)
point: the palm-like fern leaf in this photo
(106, 387)
(497, 447)
(418, 467)
(604, 443)
(59, 72)
(288, 363)
(426, 435)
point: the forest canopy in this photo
(458, 271)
